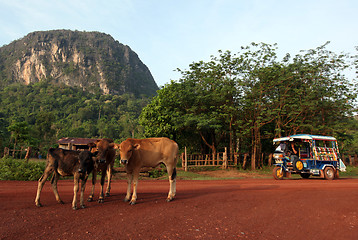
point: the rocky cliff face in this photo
(90, 60)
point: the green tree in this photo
(19, 133)
(202, 102)
(251, 96)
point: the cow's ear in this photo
(111, 145)
(116, 146)
(136, 146)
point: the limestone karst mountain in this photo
(92, 61)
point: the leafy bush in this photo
(156, 173)
(12, 169)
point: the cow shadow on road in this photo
(151, 196)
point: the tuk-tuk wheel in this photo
(329, 173)
(297, 165)
(278, 173)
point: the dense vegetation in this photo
(13, 169)
(39, 114)
(244, 100)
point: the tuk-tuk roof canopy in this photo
(304, 136)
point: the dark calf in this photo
(104, 163)
(66, 163)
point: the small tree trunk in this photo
(245, 160)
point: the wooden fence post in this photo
(186, 161)
(225, 162)
(182, 160)
(245, 159)
(6, 151)
(28, 154)
(270, 160)
(350, 160)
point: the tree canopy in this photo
(241, 100)
(39, 114)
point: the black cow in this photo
(67, 163)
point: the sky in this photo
(168, 34)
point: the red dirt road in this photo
(227, 209)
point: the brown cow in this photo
(66, 163)
(104, 163)
(150, 152)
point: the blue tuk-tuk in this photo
(307, 155)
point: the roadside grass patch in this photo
(351, 172)
(14, 169)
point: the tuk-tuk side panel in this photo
(317, 164)
(324, 153)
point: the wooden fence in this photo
(219, 159)
(18, 153)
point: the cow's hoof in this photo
(125, 200)
(100, 200)
(83, 206)
(61, 202)
(38, 205)
(90, 199)
(107, 195)
(132, 203)
(74, 208)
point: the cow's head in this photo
(102, 147)
(87, 160)
(126, 149)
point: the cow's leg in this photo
(101, 196)
(54, 181)
(83, 187)
(109, 177)
(172, 182)
(135, 184)
(75, 190)
(94, 178)
(129, 186)
(40, 185)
